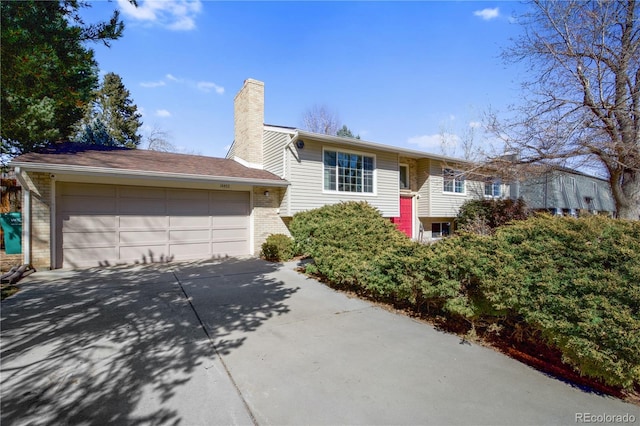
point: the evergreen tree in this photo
(113, 110)
(47, 74)
(345, 132)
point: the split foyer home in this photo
(87, 206)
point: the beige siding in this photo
(305, 172)
(274, 143)
(447, 204)
(424, 189)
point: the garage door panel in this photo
(89, 239)
(110, 224)
(145, 253)
(228, 248)
(80, 223)
(189, 221)
(190, 235)
(142, 222)
(88, 190)
(188, 194)
(89, 205)
(230, 234)
(142, 206)
(229, 222)
(232, 208)
(190, 251)
(142, 237)
(188, 207)
(135, 192)
(89, 256)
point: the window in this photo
(348, 172)
(439, 230)
(493, 188)
(404, 176)
(453, 181)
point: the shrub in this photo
(277, 247)
(574, 283)
(485, 215)
(577, 282)
(346, 240)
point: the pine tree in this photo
(47, 74)
(114, 110)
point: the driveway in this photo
(242, 341)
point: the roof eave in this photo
(373, 145)
(137, 174)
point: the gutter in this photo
(166, 176)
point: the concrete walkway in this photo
(125, 346)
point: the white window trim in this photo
(493, 182)
(408, 188)
(456, 172)
(440, 236)
(348, 151)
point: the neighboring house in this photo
(565, 192)
(92, 206)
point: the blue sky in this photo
(398, 73)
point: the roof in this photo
(103, 160)
(361, 143)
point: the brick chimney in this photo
(249, 122)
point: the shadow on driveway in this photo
(123, 346)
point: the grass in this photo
(7, 290)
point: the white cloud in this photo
(171, 77)
(436, 141)
(176, 15)
(207, 86)
(475, 124)
(152, 84)
(163, 113)
(488, 14)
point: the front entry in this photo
(405, 221)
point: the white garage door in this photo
(109, 224)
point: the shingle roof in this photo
(140, 161)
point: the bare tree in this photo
(582, 102)
(320, 119)
(158, 140)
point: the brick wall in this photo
(266, 217)
(249, 121)
(40, 220)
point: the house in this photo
(409, 187)
(565, 192)
(95, 206)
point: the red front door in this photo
(405, 221)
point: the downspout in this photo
(26, 217)
(293, 140)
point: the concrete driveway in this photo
(243, 341)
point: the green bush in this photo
(574, 283)
(577, 282)
(345, 241)
(483, 216)
(277, 247)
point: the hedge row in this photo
(573, 283)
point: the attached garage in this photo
(92, 206)
(112, 224)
